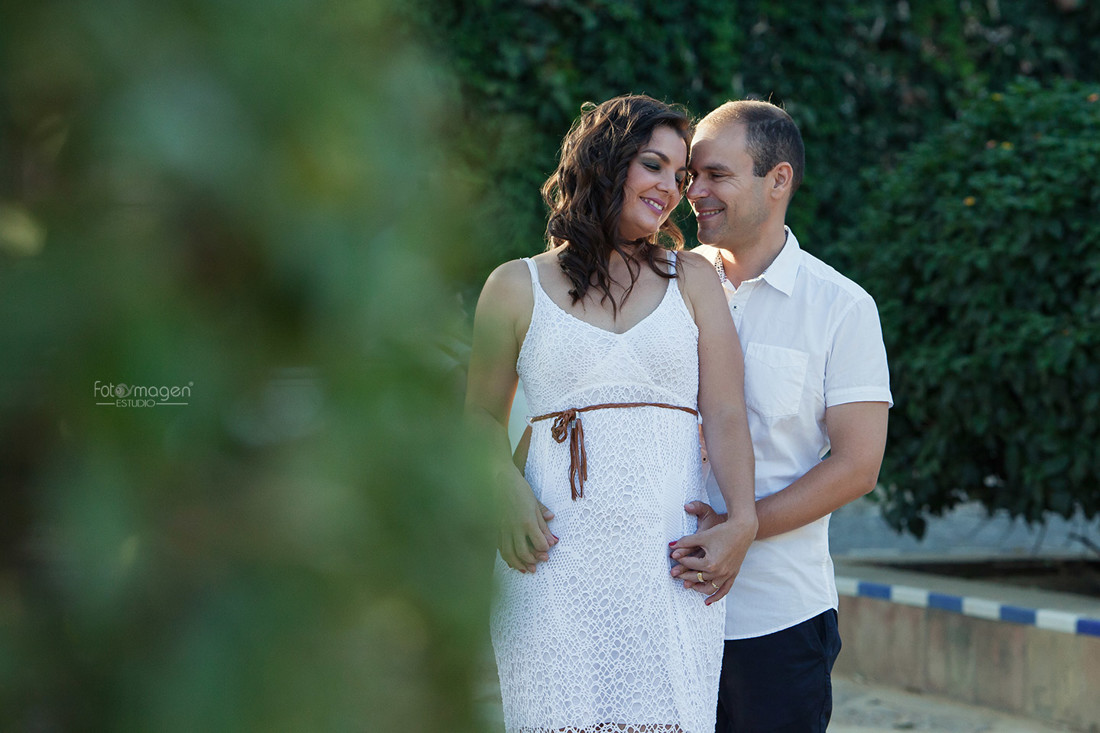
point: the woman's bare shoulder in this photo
(698, 273)
(509, 275)
(692, 261)
(550, 255)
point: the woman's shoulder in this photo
(697, 270)
(520, 269)
(510, 272)
(509, 282)
(692, 261)
(549, 257)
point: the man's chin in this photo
(706, 236)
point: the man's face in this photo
(729, 201)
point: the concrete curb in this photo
(1018, 651)
(1043, 618)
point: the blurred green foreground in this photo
(235, 490)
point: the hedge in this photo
(982, 248)
(865, 79)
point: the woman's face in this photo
(653, 184)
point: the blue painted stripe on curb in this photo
(874, 590)
(1018, 615)
(945, 602)
(955, 604)
(1088, 626)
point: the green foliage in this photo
(982, 249)
(249, 200)
(865, 79)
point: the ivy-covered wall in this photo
(865, 79)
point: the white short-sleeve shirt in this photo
(811, 339)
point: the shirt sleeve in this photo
(856, 369)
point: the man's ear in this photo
(782, 177)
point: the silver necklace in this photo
(719, 267)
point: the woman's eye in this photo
(652, 166)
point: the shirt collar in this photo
(783, 270)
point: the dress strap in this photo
(567, 426)
(672, 262)
(534, 270)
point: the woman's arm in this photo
(726, 431)
(500, 324)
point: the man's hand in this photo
(709, 560)
(705, 514)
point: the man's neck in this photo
(747, 260)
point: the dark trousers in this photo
(780, 683)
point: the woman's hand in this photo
(709, 560)
(525, 538)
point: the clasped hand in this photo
(709, 560)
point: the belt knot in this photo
(562, 422)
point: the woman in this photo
(620, 345)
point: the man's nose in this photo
(695, 190)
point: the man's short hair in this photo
(771, 136)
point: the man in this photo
(816, 384)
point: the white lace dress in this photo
(601, 638)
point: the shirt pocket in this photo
(774, 377)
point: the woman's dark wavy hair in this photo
(585, 193)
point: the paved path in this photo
(859, 707)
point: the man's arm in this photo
(856, 429)
(857, 432)
(857, 437)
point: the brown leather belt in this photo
(567, 424)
